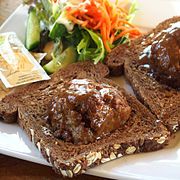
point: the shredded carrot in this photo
(105, 17)
(111, 39)
(132, 32)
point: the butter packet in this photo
(17, 65)
(3, 91)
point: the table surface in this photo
(16, 169)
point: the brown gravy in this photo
(162, 56)
(84, 111)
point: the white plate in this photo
(163, 164)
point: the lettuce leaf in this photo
(74, 37)
(91, 47)
(132, 11)
(82, 47)
(48, 12)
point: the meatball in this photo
(165, 56)
(84, 111)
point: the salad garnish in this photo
(91, 27)
(105, 18)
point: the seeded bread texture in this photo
(9, 104)
(141, 133)
(162, 100)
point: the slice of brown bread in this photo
(116, 58)
(141, 133)
(162, 100)
(9, 104)
(116, 64)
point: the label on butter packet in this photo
(17, 65)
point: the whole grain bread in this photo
(115, 60)
(163, 101)
(9, 104)
(141, 133)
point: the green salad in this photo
(77, 30)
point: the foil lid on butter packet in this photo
(17, 65)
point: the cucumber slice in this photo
(67, 57)
(33, 30)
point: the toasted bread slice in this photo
(142, 132)
(162, 100)
(115, 60)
